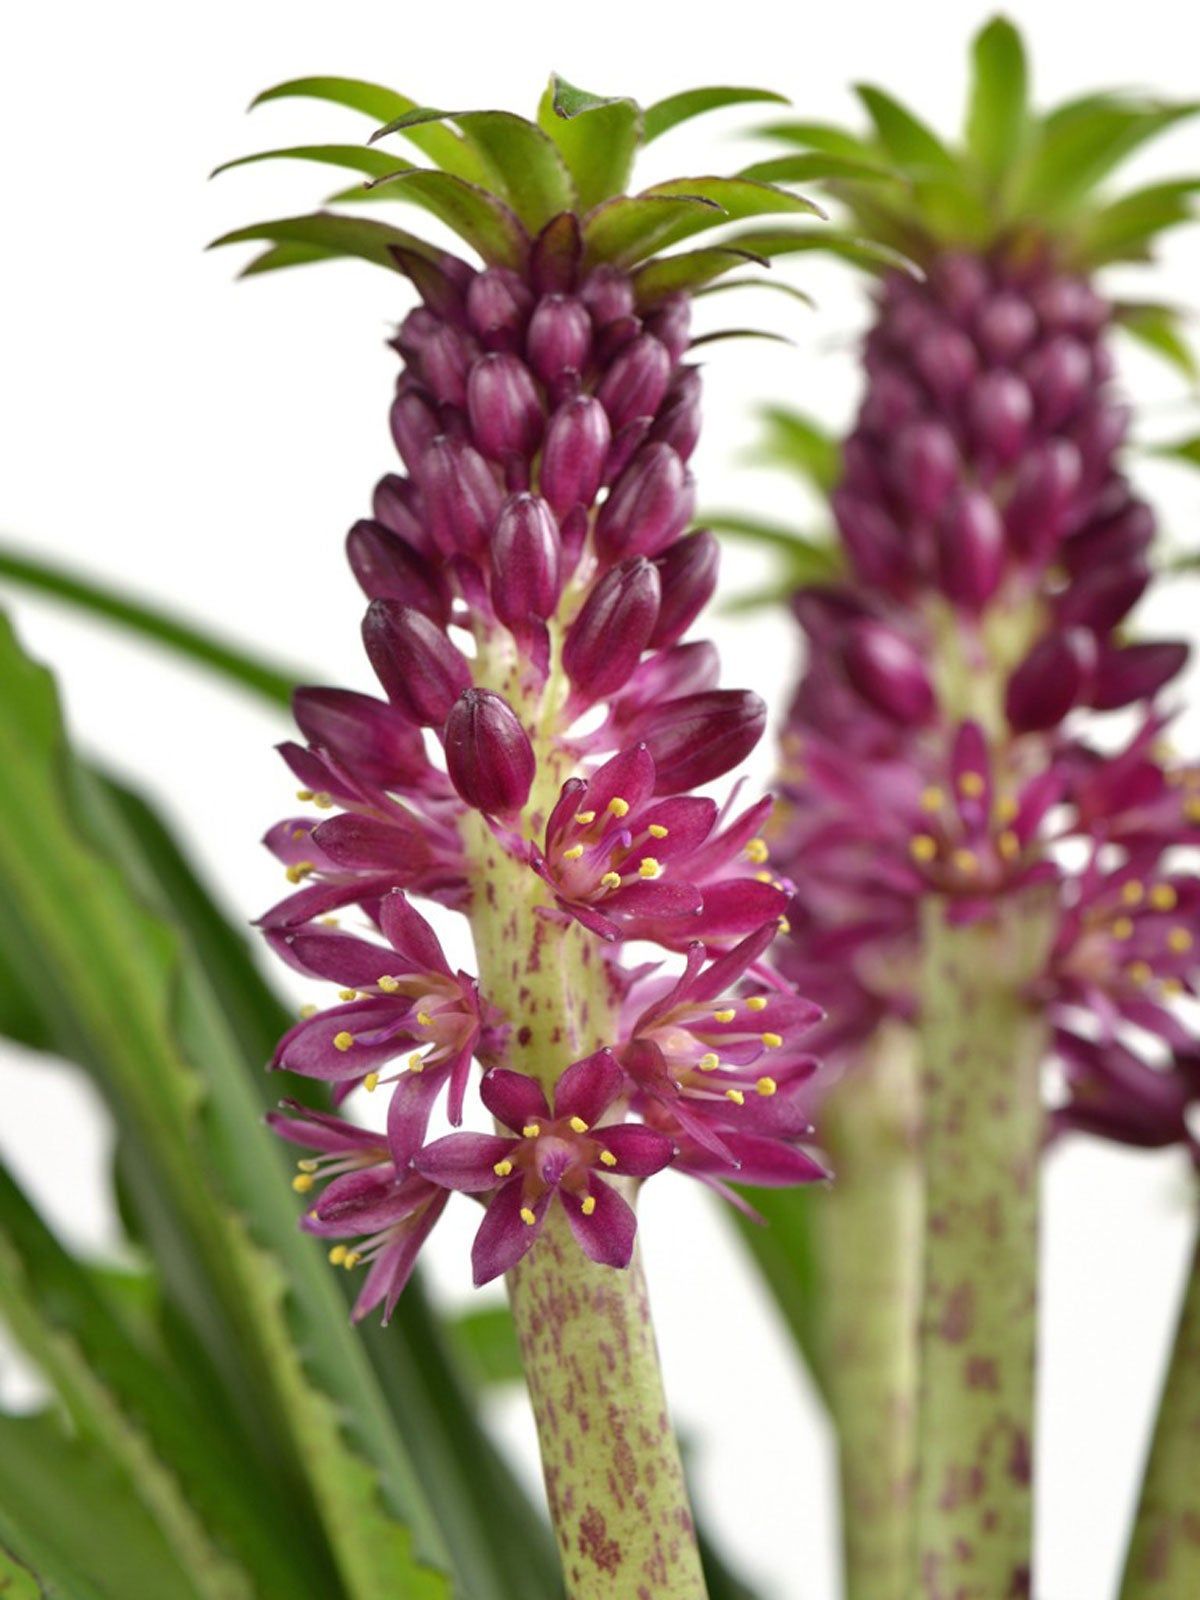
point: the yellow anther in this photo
(709, 1061)
(502, 1169)
(585, 818)
(1122, 928)
(371, 1082)
(965, 860)
(1005, 809)
(1163, 897)
(1179, 940)
(726, 1014)
(416, 1062)
(657, 831)
(574, 853)
(784, 925)
(772, 1040)
(648, 867)
(347, 994)
(298, 871)
(302, 1182)
(607, 1158)
(757, 850)
(971, 784)
(736, 1095)
(611, 880)
(425, 1019)
(1191, 808)
(763, 877)
(1139, 972)
(343, 1040)
(1008, 844)
(329, 922)
(308, 1011)
(922, 847)
(304, 794)
(577, 1125)
(531, 1130)
(766, 1087)
(933, 798)
(388, 984)
(1172, 987)
(527, 1217)
(308, 1165)
(322, 800)
(756, 1002)
(299, 833)
(618, 807)
(1133, 892)
(588, 1205)
(350, 1260)
(337, 1255)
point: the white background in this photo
(208, 443)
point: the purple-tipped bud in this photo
(414, 332)
(414, 424)
(678, 419)
(559, 339)
(1039, 511)
(605, 642)
(446, 357)
(503, 404)
(1053, 678)
(1099, 431)
(947, 362)
(636, 382)
(925, 466)
(687, 572)
(421, 671)
(461, 496)
(498, 306)
(364, 735)
(970, 549)
(1135, 673)
(488, 754)
(671, 324)
(891, 402)
(873, 541)
(1069, 305)
(1006, 327)
(1059, 376)
(961, 282)
(526, 559)
(701, 737)
(1120, 534)
(649, 504)
(388, 568)
(608, 295)
(1102, 598)
(999, 413)
(396, 503)
(576, 448)
(888, 673)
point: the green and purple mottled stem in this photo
(982, 1045)
(869, 1239)
(1164, 1552)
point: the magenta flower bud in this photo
(678, 419)
(576, 448)
(415, 425)
(1038, 513)
(526, 558)
(606, 640)
(888, 673)
(1005, 327)
(1059, 376)
(461, 496)
(365, 735)
(687, 572)
(1053, 678)
(701, 737)
(925, 466)
(388, 568)
(1069, 305)
(1099, 431)
(649, 504)
(396, 503)
(961, 282)
(503, 404)
(971, 549)
(635, 384)
(947, 362)
(891, 402)
(559, 340)
(1137, 672)
(1121, 534)
(488, 754)
(421, 671)
(414, 332)
(999, 413)
(1102, 598)
(446, 357)
(874, 542)
(608, 295)
(671, 324)
(498, 306)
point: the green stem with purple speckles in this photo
(982, 1045)
(1164, 1552)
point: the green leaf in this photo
(1159, 329)
(801, 445)
(666, 114)
(911, 145)
(826, 137)
(1126, 228)
(777, 284)
(694, 271)
(271, 681)
(524, 162)
(723, 334)
(805, 560)
(738, 198)
(359, 237)
(788, 1256)
(1186, 451)
(488, 1342)
(280, 256)
(442, 145)
(997, 112)
(1081, 143)
(351, 157)
(17, 1582)
(597, 138)
(815, 165)
(868, 254)
(628, 228)
(486, 223)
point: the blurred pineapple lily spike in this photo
(972, 608)
(545, 414)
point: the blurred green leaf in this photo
(488, 1341)
(801, 445)
(911, 145)
(824, 136)
(1159, 329)
(777, 284)
(597, 138)
(816, 165)
(787, 1253)
(694, 271)
(997, 112)
(1080, 143)
(1186, 451)
(666, 114)
(868, 254)
(1126, 227)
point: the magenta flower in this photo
(560, 1153)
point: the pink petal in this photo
(503, 1238)
(364, 844)
(628, 776)
(464, 1161)
(640, 1151)
(513, 1098)
(309, 1047)
(409, 1110)
(607, 1235)
(411, 936)
(588, 1087)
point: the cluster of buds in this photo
(530, 578)
(938, 743)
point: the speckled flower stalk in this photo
(943, 793)
(531, 580)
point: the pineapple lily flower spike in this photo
(530, 582)
(980, 888)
